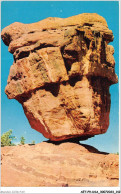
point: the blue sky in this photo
(12, 114)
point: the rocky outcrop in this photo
(61, 74)
(63, 165)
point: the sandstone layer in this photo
(64, 165)
(61, 74)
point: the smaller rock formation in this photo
(51, 165)
(61, 74)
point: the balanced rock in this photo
(61, 74)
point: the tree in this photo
(22, 141)
(7, 138)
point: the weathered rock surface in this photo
(61, 74)
(66, 164)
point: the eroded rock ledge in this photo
(61, 74)
(64, 165)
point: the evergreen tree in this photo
(7, 138)
(22, 140)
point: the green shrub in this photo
(22, 141)
(33, 142)
(7, 138)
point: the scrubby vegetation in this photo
(7, 138)
(33, 142)
(22, 140)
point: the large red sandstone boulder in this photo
(61, 74)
